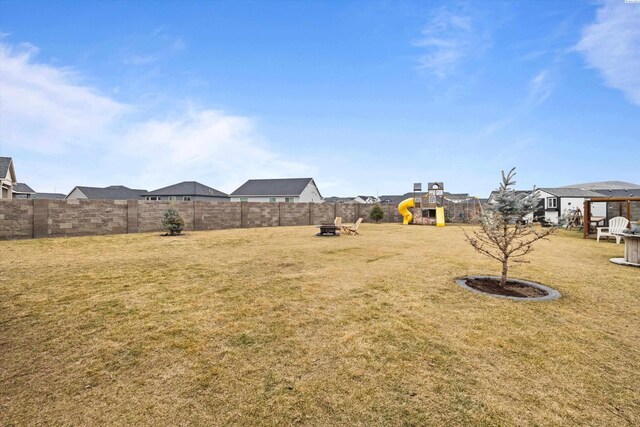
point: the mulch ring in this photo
(511, 289)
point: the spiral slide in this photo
(403, 209)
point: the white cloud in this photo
(539, 88)
(205, 143)
(46, 111)
(448, 39)
(44, 108)
(612, 46)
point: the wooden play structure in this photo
(428, 207)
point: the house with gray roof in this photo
(292, 190)
(605, 185)
(557, 202)
(7, 177)
(187, 190)
(113, 192)
(23, 191)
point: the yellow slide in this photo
(439, 217)
(403, 209)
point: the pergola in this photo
(587, 209)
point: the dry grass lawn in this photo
(278, 327)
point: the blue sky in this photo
(366, 97)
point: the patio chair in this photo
(338, 222)
(615, 229)
(354, 228)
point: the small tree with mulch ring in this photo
(172, 222)
(376, 213)
(506, 233)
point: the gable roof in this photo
(605, 185)
(273, 187)
(113, 192)
(570, 192)
(633, 192)
(6, 165)
(187, 188)
(21, 187)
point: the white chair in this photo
(615, 228)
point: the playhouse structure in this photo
(428, 207)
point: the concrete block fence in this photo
(34, 218)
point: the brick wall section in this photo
(217, 215)
(347, 212)
(86, 217)
(323, 213)
(295, 213)
(150, 214)
(50, 218)
(16, 219)
(260, 214)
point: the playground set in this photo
(428, 208)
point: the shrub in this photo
(376, 213)
(172, 222)
(505, 233)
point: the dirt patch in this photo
(511, 289)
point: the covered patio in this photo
(627, 207)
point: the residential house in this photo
(7, 177)
(187, 190)
(293, 190)
(557, 202)
(336, 199)
(23, 191)
(113, 192)
(367, 200)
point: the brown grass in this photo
(278, 327)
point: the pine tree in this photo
(172, 222)
(505, 232)
(376, 213)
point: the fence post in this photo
(132, 216)
(40, 218)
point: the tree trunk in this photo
(503, 279)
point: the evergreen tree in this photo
(376, 213)
(505, 231)
(172, 222)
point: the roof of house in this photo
(49, 196)
(570, 192)
(336, 199)
(187, 188)
(273, 187)
(5, 164)
(21, 187)
(605, 185)
(113, 192)
(620, 193)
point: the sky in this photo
(366, 97)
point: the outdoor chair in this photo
(615, 229)
(353, 229)
(338, 222)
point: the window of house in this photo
(272, 199)
(186, 198)
(288, 199)
(552, 202)
(244, 199)
(153, 198)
